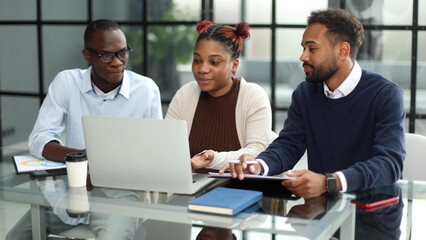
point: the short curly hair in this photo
(341, 26)
(100, 24)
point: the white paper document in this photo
(25, 164)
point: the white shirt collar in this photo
(123, 89)
(347, 86)
(109, 95)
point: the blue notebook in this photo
(225, 201)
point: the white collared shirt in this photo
(72, 95)
(109, 95)
(347, 86)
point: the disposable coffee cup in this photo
(78, 202)
(76, 169)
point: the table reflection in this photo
(70, 209)
(154, 230)
(211, 233)
(380, 223)
(383, 223)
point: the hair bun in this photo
(242, 30)
(203, 26)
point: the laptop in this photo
(140, 154)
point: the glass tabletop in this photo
(131, 214)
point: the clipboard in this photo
(251, 176)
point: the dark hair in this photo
(101, 24)
(231, 38)
(341, 26)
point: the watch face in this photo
(332, 186)
(331, 183)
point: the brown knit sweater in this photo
(214, 124)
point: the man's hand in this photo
(310, 209)
(307, 185)
(55, 152)
(202, 159)
(238, 170)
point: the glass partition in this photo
(382, 12)
(227, 11)
(396, 12)
(170, 47)
(134, 36)
(64, 10)
(174, 10)
(118, 10)
(296, 12)
(13, 10)
(257, 13)
(62, 49)
(422, 13)
(421, 77)
(289, 72)
(18, 62)
(389, 56)
(18, 118)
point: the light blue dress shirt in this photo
(71, 95)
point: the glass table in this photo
(58, 210)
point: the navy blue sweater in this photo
(362, 135)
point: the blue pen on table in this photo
(236, 161)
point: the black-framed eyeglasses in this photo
(107, 57)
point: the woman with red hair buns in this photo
(226, 115)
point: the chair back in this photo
(415, 161)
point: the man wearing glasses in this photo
(103, 89)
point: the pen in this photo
(236, 161)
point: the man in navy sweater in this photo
(350, 121)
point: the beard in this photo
(322, 72)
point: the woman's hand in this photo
(202, 159)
